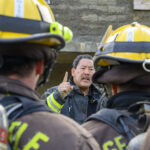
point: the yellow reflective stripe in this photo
(107, 145)
(120, 145)
(33, 143)
(51, 106)
(11, 128)
(117, 143)
(18, 135)
(55, 102)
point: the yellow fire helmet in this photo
(129, 43)
(31, 21)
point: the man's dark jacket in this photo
(76, 105)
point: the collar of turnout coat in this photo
(11, 86)
(125, 99)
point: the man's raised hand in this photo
(65, 88)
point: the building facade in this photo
(89, 19)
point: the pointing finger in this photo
(65, 77)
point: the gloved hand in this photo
(65, 88)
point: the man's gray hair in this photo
(79, 57)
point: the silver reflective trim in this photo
(53, 105)
(13, 109)
(146, 65)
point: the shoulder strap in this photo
(17, 106)
(115, 119)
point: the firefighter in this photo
(122, 61)
(78, 97)
(29, 42)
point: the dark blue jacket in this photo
(75, 105)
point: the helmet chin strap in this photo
(47, 71)
(46, 74)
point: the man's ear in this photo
(72, 71)
(39, 67)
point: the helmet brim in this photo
(111, 60)
(51, 40)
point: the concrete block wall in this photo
(89, 19)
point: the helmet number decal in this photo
(19, 8)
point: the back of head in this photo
(29, 33)
(124, 57)
(20, 58)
